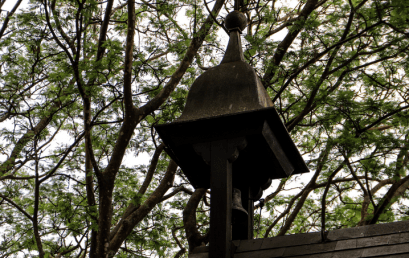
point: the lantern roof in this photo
(231, 87)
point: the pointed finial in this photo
(235, 23)
(235, 20)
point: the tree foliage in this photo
(83, 82)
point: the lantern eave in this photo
(276, 146)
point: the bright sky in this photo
(9, 4)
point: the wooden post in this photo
(220, 200)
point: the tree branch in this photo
(135, 203)
(7, 19)
(104, 29)
(194, 238)
(139, 214)
(288, 40)
(323, 200)
(26, 138)
(17, 207)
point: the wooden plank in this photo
(201, 249)
(373, 241)
(346, 244)
(291, 240)
(353, 242)
(199, 255)
(261, 254)
(348, 254)
(249, 245)
(387, 246)
(324, 255)
(310, 249)
(385, 250)
(404, 255)
(347, 233)
(404, 238)
(387, 228)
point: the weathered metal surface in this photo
(229, 88)
(239, 214)
(244, 230)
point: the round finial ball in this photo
(235, 19)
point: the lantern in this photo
(230, 136)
